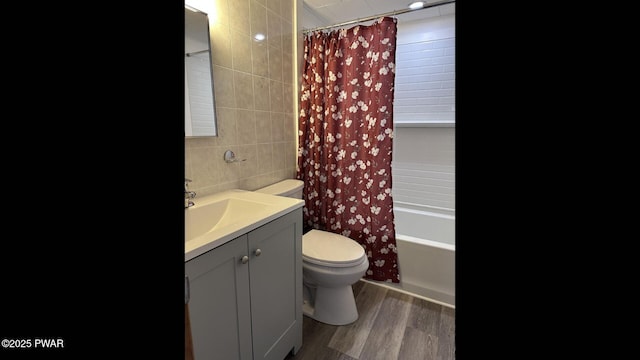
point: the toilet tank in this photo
(290, 188)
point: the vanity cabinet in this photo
(245, 296)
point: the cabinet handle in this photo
(258, 252)
(245, 259)
(187, 290)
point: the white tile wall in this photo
(423, 167)
(423, 164)
(425, 71)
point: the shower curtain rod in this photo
(391, 13)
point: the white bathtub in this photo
(426, 253)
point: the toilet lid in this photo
(329, 249)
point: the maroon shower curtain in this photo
(345, 139)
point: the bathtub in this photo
(426, 253)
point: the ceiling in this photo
(328, 12)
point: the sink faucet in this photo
(188, 195)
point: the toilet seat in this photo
(332, 250)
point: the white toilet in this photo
(331, 263)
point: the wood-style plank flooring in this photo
(391, 325)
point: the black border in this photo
(93, 251)
(507, 244)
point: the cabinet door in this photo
(219, 305)
(276, 286)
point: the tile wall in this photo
(254, 86)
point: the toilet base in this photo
(333, 306)
(307, 309)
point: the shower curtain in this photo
(345, 139)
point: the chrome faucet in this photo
(188, 195)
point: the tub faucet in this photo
(188, 195)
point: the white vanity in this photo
(243, 266)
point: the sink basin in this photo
(200, 220)
(221, 217)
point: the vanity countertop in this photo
(218, 218)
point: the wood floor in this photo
(391, 325)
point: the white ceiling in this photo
(328, 12)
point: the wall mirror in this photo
(199, 100)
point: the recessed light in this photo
(416, 5)
(259, 37)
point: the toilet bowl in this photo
(331, 263)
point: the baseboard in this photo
(430, 295)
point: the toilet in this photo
(331, 263)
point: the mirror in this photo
(199, 101)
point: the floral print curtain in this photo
(345, 139)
